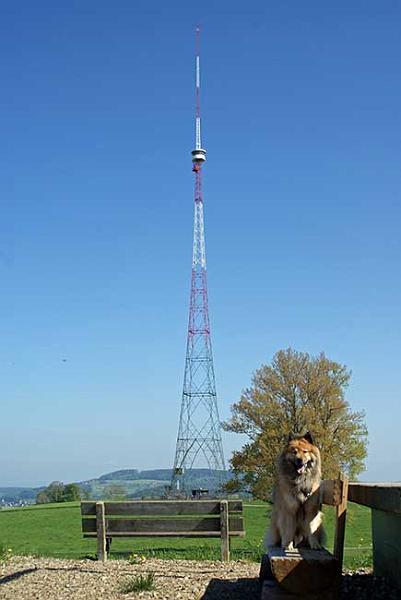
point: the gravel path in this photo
(28, 578)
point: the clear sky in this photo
(301, 121)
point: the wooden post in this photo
(225, 537)
(101, 532)
(341, 513)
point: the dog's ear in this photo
(308, 437)
(291, 436)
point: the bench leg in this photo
(225, 537)
(101, 532)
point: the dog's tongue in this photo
(301, 469)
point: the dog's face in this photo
(301, 454)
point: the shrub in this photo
(140, 583)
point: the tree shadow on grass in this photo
(16, 575)
(220, 589)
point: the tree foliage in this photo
(295, 393)
(72, 492)
(58, 492)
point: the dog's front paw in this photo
(289, 547)
(314, 543)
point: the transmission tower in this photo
(199, 432)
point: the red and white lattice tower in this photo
(199, 434)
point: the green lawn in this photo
(55, 530)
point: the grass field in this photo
(55, 530)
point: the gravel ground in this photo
(362, 585)
(28, 578)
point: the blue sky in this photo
(301, 121)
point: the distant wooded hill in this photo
(149, 483)
(128, 482)
(15, 494)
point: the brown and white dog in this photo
(296, 517)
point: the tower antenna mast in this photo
(199, 440)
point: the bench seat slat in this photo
(161, 525)
(197, 534)
(163, 507)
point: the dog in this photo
(296, 517)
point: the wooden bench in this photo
(305, 573)
(162, 518)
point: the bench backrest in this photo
(189, 518)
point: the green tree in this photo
(58, 492)
(71, 493)
(55, 491)
(42, 497)
(295, 393)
